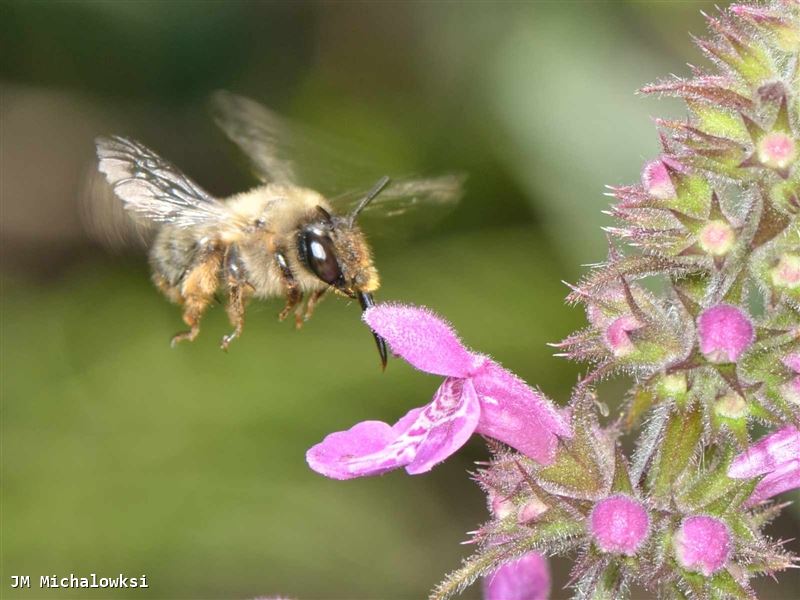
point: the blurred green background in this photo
(187, 465)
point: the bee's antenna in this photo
(376, 189)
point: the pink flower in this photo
(777, 457)
(725, 332)
(703, 544)
(619, 524)
(477, 396)
(526, 578)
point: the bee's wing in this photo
(402, 196)
(420, 202)
(282, 151)
(105, 219)
(152, 189)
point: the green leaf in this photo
(578, 470)
(723, 585)
(641, 399)
(622, 480)
(681, 437)
(719, 122)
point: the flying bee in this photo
(278, 239)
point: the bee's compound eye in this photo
(320, 256)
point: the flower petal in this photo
(335, 456)
(423, 339)
(517, 415)
(777, 456)
(784, 478)
(422, 438)
(768, 454)
(450, 421)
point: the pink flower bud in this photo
(792, 361)
(787, 272)
(731, 405)
(725, 332)
(616, 335)
(619, 524)
(702, 544)
(656, 180)
(717, 238)
(500, 506)
(776, 150)
(531, 511)
(791, 389)
(526, 578)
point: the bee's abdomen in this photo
(173, 253)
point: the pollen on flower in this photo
(787, 272)
(619, 525)
(656, 180)
(702, 544)
(725, 332)
(717, 238)
(777, 150)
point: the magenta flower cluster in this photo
(714, 219)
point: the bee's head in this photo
(335, 251)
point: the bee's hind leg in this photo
(197, 291)
(238, 287)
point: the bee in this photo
(280, 238)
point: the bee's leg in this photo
(236, 280)
(197, 291)
(173, 293)
(313, 300)
(293, 293)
